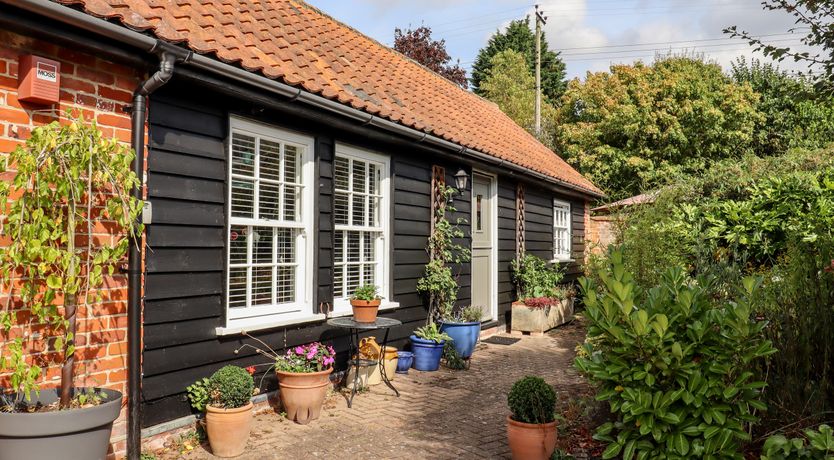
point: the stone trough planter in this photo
(537, 320)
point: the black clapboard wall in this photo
(185, 254)
(186, 259)
(538, 220)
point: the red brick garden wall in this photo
(97, 90)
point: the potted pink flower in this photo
(303, 377)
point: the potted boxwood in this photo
(69, 180)
(464, 327)
(226, 397)
(427, 345)
(303, 377)
(542, 304)
(365, 303)
(531, 428)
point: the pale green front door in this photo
(483, 231)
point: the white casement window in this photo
(360, 208)
(561, 230)
(270, 215)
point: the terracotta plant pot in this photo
(531, 441)
(228, 429)
(364, 311)
(302, 394)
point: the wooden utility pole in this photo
(540, 20)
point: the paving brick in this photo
(439, 415)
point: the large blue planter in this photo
(427, 353)
(464, 336)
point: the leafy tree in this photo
(510, 85)
(418, 45)
(518, 37)
(633, 128)
(814, 19)
(795, 115)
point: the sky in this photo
(591, 34)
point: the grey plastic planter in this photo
(78, 434)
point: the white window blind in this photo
(267, 250)
(561, 230)
(360, 186)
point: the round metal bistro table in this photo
(355, 329)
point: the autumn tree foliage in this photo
(638, 126)
(419, 45)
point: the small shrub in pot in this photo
(531, 427)
(227, 399)
(231, 387)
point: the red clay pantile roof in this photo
(295, 43)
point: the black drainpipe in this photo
(168, 57)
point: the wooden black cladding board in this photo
(506, 246)
(325, 152)
(185, 254)
(539, 227)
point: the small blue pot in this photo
(464, 336)
(427, 353)
(404, 361)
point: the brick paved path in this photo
(440, 415)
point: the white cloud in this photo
(683, 27)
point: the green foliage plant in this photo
(532, 400)
(452, 358)
(636, 127)
(676, 366)
(68, 181)
(367, 292)
(519, 37)
(230, 387)
(510, 85)
(432, 332)
(811, 23)
(439, 282)
(795, 114)
(817, 444)
(534, 277)
(198, 393)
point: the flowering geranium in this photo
(312, 357)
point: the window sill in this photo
(269, 325)
(562, 261)
(223, 331)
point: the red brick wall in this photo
(602, 232)
(95, 89)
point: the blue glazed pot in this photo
(464, 336)
(404, 360)
(427, 353)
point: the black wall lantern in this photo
(460, 180)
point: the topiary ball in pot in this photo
(229, 412)
(231, 387)
(532, 400)
(531, 429)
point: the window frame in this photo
(259, 316)
(382, 274)
(564, 206)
